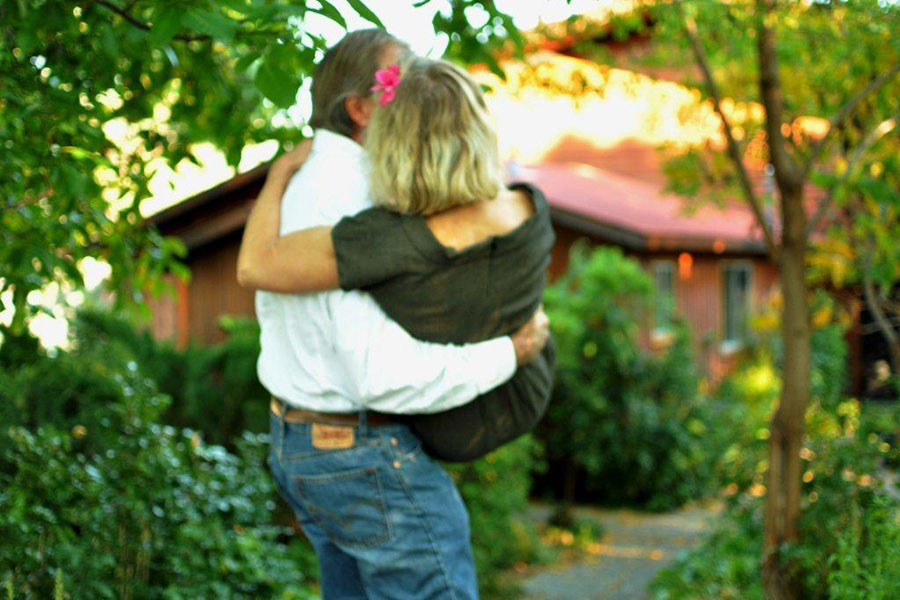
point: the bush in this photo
(849, 531)
(214, 388)
(96, 415)
(94, 488)
(849, 528)
(633, 423)
(866, 564)
(725, 566)
(495, 490)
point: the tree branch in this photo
(773, 100)
(873, 301)
(146, 26)
(183, 37)
(845, 111)
(690, 30)
(853, 158)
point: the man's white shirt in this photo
(337, 351)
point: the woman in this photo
(448, 252)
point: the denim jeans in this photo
(385, 520)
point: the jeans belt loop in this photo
(363, 423)
(279, 447)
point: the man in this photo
(326, 356)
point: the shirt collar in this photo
(329, 141)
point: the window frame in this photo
(664, 331)
(732, 344)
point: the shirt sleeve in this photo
(370, 248)
(390, 371)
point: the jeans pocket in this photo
(348, 506)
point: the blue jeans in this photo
(385, 520)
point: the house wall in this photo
(168, 313)
(699, 297)
(214, 290)
(193, 312)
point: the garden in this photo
(135, 467)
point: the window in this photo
(664, 284)
(736, 283)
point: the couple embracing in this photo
(401, 316)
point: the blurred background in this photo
(724, 184)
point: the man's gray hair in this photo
(348, 69)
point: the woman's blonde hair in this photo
(433, 146)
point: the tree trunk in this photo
(782, 509)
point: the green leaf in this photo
(166, 24)
(278, 77)
(244, 62)
(214, 24)
(365, 12)
(328, 10)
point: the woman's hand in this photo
(290, 162)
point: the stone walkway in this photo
(634, 547)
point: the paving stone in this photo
(634, 547)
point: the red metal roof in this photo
(643, 208)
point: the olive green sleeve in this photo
(370, 248)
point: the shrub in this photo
(632, 422)
(866, 563)
(848, 546)
(214, 389)
(495, 489)
(725, 566)
(94, 487)
(97, 413)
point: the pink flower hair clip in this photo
(387, 80)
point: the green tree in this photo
(175, 72)
(837, 60)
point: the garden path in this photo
(634, 547)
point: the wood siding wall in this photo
(213, 291)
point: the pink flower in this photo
(387, 81)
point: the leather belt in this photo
(296, 415)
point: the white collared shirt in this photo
(337, 351)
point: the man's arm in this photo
(393, 372)
(495, 418)
(303, 261)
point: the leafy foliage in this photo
(849, 527)
(849, 531)
(215, 394)
(172, 74)
(214, 389)
(495, 490)
(633, 422)
(92, 485)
